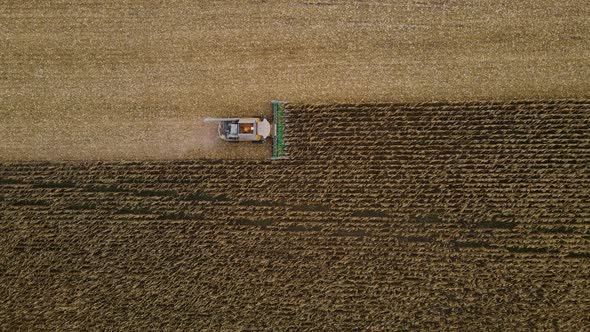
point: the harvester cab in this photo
(256, 129)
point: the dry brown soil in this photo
(132, 79)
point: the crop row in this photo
(526, 162)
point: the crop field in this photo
(438, 215)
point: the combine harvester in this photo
(257, 129)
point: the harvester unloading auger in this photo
(257, 129)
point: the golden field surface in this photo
(432, 216)
(87, 80)
(438, 174)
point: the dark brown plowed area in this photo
(132, 80)
(468, 216)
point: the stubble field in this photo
(387, 216)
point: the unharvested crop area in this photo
(124, 79)
(437, 215)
